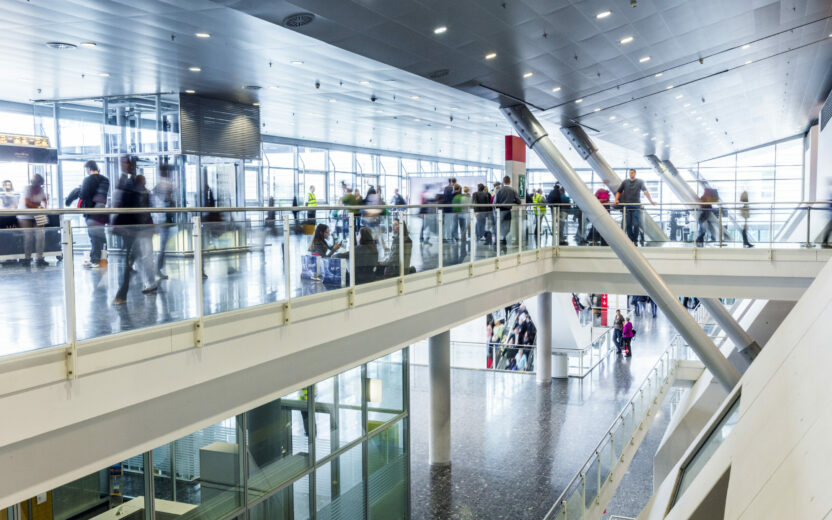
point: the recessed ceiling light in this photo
(625, 125)
(87, 44)
(296, 62)
(747, 45)
(644, 59)
(256, 104)
(194, 69)
(491, 55)
(379, 111)
(189, 91)
(331, 100)
(597, 109)
(556, 89)
(660, 74)
(698, 118)
(440, 30)
(749, 62)
(528, 74)
(416, 119)
(612, 118)
(603, 14)
(693, 112)
(680, 96)
(669, 87)
(104, 74)
(667, 146)
(364, 82)
(645, 134)
(652, 138)
(273, 87)
(202, 35)
(579, 100)
(686, 105)
(626, 40)
(454, 108)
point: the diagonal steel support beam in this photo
(742, 340)
(589, 152)
(538, 140)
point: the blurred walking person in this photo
(93, 194)
(164, 196)
(33, 197)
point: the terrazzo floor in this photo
(515, 444)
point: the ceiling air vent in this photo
(293, 21)
(441, 73)
(61, 45)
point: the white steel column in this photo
(439, 368)
(543, 358)
(538, 140)
(744, 343)
(589, 152)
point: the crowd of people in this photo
(510, 339)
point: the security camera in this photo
(633, 3)
(317, 84)
(373, 98)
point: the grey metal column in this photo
(745, 344)
(589, 153)
(538, 140)
(543, 358)
(439, 367)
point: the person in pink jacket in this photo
(627, 333)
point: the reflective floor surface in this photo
(516, 444)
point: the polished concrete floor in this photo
(517, 444)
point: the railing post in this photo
(808, 226)
(287, 267)
(598, 492)
(440, 225)
(67, 250)
(472, 235)
(521, 229)
(720, 227)
(351, 226)
(556, 227)
(199, 270)
(612, 454)
(497, 230)
(402, 268)
(771, 228)
(537, 228)
(583, 492)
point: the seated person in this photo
(366, 257)
(319, 245)
(391, 262)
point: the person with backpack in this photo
(92, 193)
(628, 333)
(553, 199)
(503, 200)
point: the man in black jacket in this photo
(503, 200)
(93, 194)
(481, 199)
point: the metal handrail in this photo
(249, 209)
(605, 437)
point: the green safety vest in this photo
(537, 199)
(311, 200)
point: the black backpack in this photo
(554, 196)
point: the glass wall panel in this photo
(90, 497)
(290, 503)
(337, 412)
(339, 487)
(208, 473)
(278, 443)
(387, 469)
(385, 389)
(312, 159)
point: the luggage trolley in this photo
(21, 157)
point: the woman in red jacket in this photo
(627, 333)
